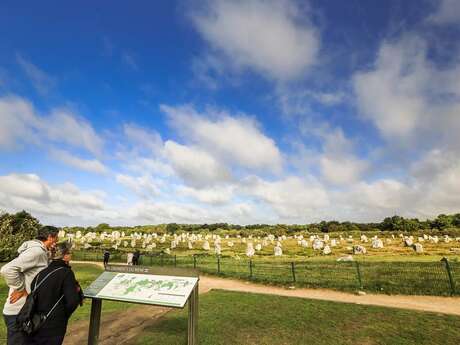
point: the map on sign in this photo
(162, 290)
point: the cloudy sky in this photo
(236, 111)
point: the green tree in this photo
(15, 229)
(172, 228)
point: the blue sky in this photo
(236, 111)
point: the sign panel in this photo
(155, 289)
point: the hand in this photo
(17, 295)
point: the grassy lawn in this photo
(85, 275)
(420, 275)
(231, 318)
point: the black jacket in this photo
(61, 282)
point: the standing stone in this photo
(278, 251)
(318, 244)
(217, 249)
(418, 248)
(408, 242)
(377, 243)
(250, 250)
(359, 250)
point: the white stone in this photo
(418, 248)
(359, 250)
(377, 243)
(250, 250)
(278, 251)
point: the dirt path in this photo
(120, 328)
(116, 328)
(445, 305)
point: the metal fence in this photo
(423, 278)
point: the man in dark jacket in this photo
(60, 283)
(106, 257)
(136, 257)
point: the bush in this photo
(14, 230)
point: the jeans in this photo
(14, 336)
(42, 340)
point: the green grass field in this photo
(230, 318)
(403, 276)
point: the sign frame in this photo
(192, 299)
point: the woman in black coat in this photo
(61, 291)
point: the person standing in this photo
(106, 257)
(19, 273)
(136, 257)
(58, 296)
(129, 258)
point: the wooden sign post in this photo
(160, 286)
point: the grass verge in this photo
(242, 318)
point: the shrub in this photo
(14, 230)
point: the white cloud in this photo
(20, 123)
(339, 165)
(149, 165)
(448, 12)
(408, 97)
(29, 192)
(144, 186)
(382, 194)
(91, 165)
(41, 81)
(436, 182)
(141, 137)
(235, 139)
(274, 38)
(293, 198)
(213, 196)
(169, 212)
(342, 170)
(195, 166)
(64, 126)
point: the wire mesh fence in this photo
(424, 278)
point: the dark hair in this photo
(62, 249)
(46, 231)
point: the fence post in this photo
(161, 259)
(175, 260)
(218, 264)
(449, 274)
(358, 275)
(293, 271)
(250, 268)
(194, 261)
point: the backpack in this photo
(29, 320)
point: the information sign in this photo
(161, 286)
